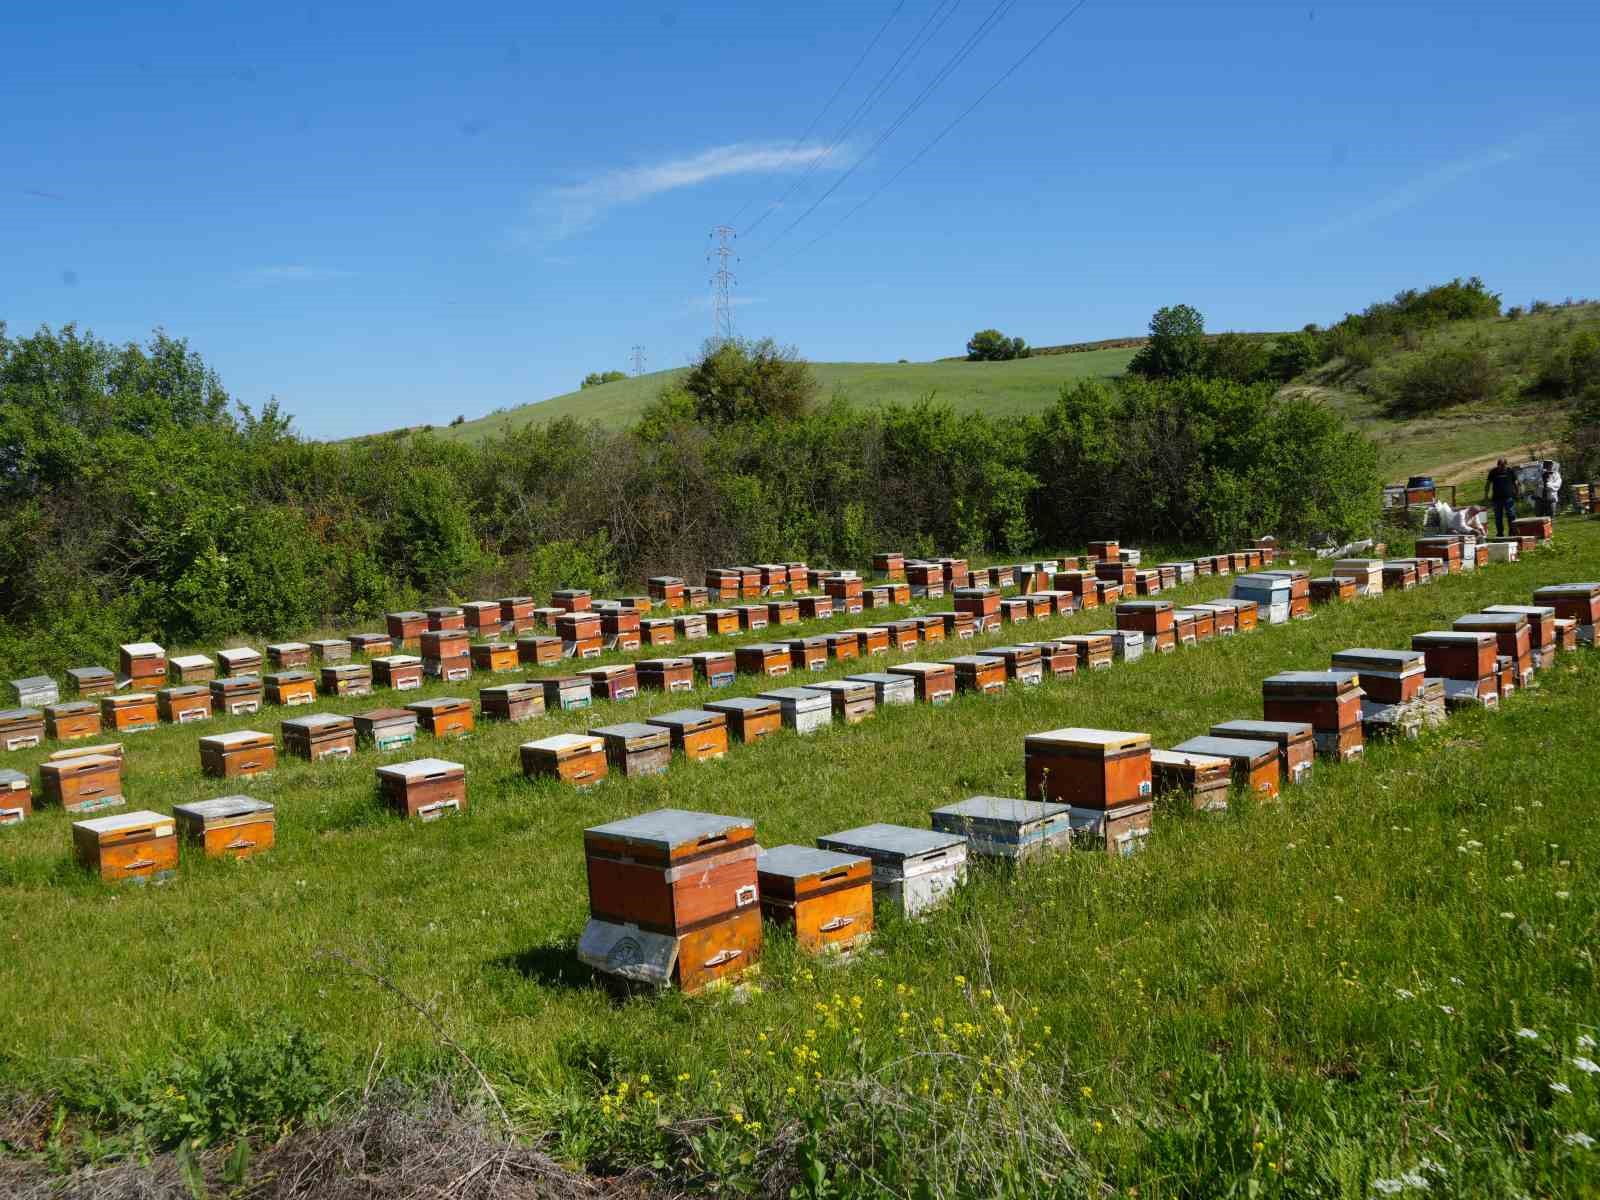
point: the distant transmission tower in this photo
(722, 282)
(638, 360)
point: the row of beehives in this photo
(197, 694)
(584, 627)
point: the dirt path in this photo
(1467, 470)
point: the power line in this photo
(985, 27)
(940, 136)
(918, 43)
(722, 281)
(837, 92)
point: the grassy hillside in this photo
(1337, 978)
(995, 388)
(1458, 445)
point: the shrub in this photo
(1570, 367)
(1293, 355)
(597, 378)
(737, 380)
(1236, 357)
(1176, 346)
(1443, 378)
(990, 345)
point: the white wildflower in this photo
(1404, 994)
(1515, 865)
(1531, 1035)
(1585, 1042)
(1388, 1187)
(1510, 916)
(1563, 895)
(1579, 1139)
(1458, 981)
(1587, 1065)
(1560, 1088)
(1472, 845)
(1338, 899)
(1447, 1010)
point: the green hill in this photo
(1025, 385)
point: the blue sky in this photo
(393, 213)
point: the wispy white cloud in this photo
(571, 208)
(290, 273)
(1422, 187)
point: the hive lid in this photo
(385, 715)
(85, 674)
(1565, 590)
(237, 654)
(142, 649)
(688, 716)
(237, 737)
(1261, 582)
(892, 843)
(281, 677)
(749, 705)
(1458, 637)
(562, 743)
(795, 862)
(666, 664)
(12, 780)
(409, 615)
(169, 693)
(282, 647)
(848, 687)
(879, 678)
(422, 768)
(628, 730)
(1002, 809)
(1271, 729)
(976, 660)
(706, 656)
(123, 822)
(13, 716)
(1405, 662)
(398, 660)
(795, 695)
(666, 828)
(1108, 740)
(1313, 679)
(767, 647)
(327, 642)
(1525, 610)
(318, 722)
(1227, 747)
(1489, 620)
(446, 610)
(1178, 758)
(37, 683)
(446, 702)
(78, 762)
(241, 683)
(521, 688)
(125, 698)
(808, 643)
(223, 808)
(1147, 605)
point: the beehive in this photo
(425, 788)
(228, 826)
(139, 847)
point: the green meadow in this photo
(1386, 977)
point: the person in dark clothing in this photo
(1500, 489)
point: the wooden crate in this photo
(142, 661)
(316, 736)
(129, 712)
(1328, 701)
(127, 847)
(1578, 602)
(180, 705)
(1088, 768)
(1457, 654)
(698, 733)
(821, 896)
(238, 752)
(670, 871)
(444, 716)
(575, 758)
(425, 788)
(228, 826)
(634, 748)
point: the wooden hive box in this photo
(925, 579)
(913, 870)
(142, 663)
(1457, 654)
(1033, 579)
(1246, 614)
(982, 604)
(890, 565)
(808, 653)
(128, 712)
(783, 612)
(91, 681)
(1296, 742)
(823, 897)
(77, 719)
(1041, 606)
(662, 631)
(1203, 619)
(803, 710)
(763, 658)
(935, 682)
(1328, 589)
(331, 650)
(538, 650)
(774, 578)
(1127, 645)
(1203, 566)
(1145, 583)
(698, 733)
(444, 716)
(316, 736)
(1166, 577)
(1153, 618)
(425, 788)
(749, 582)
(1367, 572)
(446, 617)
(1014, 610)
(1105, 551)
(84, 782)
(666, 590)
(1566, 633)
(672, 900)
(930, 628)
(292, 688)
(722, 621)
(1094, 650)
(667, 674)
(1088, 768)
(1328, 701)
(852, 700)
(981, 673)
(512, 702)
(347, 679)
(1513, 638)
(815, 608)
(580, 634)
(446, 655)
(1000, 576)
(1447, 548)
(691, 627)
(1109, 593)
(36, 691)
(723, 583)
(1116, 572)
(845, 592)
(1118, 832)
(888, 688)
(516, 613)
(1080, 584)
(956, 572)
(1271, 594)
(873, 639)
(1387, 676)
(1200, 778)
(799, 577)
(237, 695)
(634, 748)
(406, 628)
(387, 728)
(1541, 529)
(903, 634)
(494, 656)
(960, 626)
(1578, 602)
(1183, 627)
(401, 672)
(180, 705)
(1023, 663)
(714, 668)
(284, 655)
(228, 826)
(1223, 616)
(1399, 576)
(16, 797)
(139, 847)
(618, 682)
(752, 616)
(1056, 661)
(483, 616)
(239, 752)
(750, 718)
(567, 692)
(238, 660)
(575, 758)
(1541, 628)
(544, 617)
(1005, 828)
(191, 668)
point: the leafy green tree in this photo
(736, 380)
(596, 378)
(1294, 354)
(1236, 357)
(1176, 346)
(990, 345)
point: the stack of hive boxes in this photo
(1102, 775)
(1328, 701)
(1398, 698)
(1465, 661)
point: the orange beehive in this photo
(129, 712)
(444, 716)
(979, 673)
(808, 653)
(426, 788)
(227, 827)
(750, 718)
(239, 752)
(538, 650)
(1088, 768)
(935, 682)
(136, 846)
(667, 674)
(84, 782)
(73, 719)
(181, 705)
(575, 758)
(822, 896)
(698, 733)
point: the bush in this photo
(737, 380)
(990, 345)
(1443, 378)
(1570, 367)
(1293, 355)
(597, 378)
(1235, 357)
(1176, 346)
